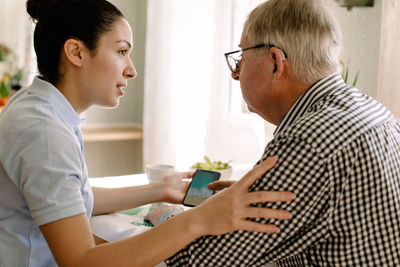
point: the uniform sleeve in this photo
(299, 170)
(50, 167)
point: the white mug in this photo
(156, 172)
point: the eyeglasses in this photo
(233, 58)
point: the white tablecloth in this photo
(119, 181)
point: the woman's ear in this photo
(74, 50)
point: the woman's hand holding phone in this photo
(172, 188)
(228, 210)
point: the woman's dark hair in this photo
(60, 20)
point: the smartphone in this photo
(198, 189)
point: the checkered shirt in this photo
(339, 151)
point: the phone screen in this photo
(198, 189)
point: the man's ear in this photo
(278, 58)
(75, 51)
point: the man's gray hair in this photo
(305, 29)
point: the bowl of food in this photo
(224, 168)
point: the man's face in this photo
(255, 79)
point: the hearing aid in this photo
(283, 55)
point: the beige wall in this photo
(113, 158)
(371, 43)
(389, 73)
(361, 28)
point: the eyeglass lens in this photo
(233, 62)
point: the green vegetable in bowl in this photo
(208, 165)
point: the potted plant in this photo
(10, 75)
(224, 168)
(345, 74)
(4, 53)
(5, 90)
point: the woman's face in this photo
(107, 71)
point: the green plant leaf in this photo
(356, 79)
(346, 76)
(4, 90)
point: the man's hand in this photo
(220, 185)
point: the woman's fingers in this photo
(257, 172)
(257, 227)
(259, 212)
(184, 175)
(269, 196)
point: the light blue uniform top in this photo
(43, 175)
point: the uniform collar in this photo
(58, 101)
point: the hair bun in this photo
(38, 9)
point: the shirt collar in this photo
(64, 109)
(310, 97)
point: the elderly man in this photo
(337, 149)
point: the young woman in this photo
(82, 49)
